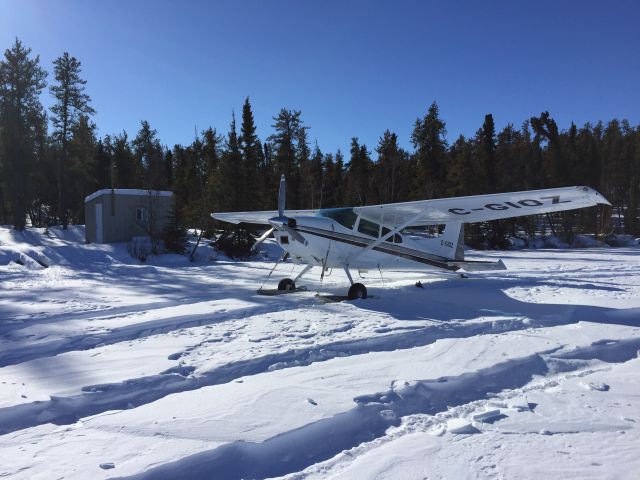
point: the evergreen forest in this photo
(51, 159)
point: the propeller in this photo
(280, 217)
(262, 238)
(282, 222)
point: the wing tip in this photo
(599, 198)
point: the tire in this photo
(286, 284)
(356, 291)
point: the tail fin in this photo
(450, 244)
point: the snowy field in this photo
(165, 370)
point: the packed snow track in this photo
(110, 368)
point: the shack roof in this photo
(127, 191)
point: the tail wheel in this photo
(286, 284)
(356, 291)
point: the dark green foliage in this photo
(127, 169)
(81, 169)
(235, 243)
(461, 177)
(357, 175)
(252, 158)
(289, 149)
(486, 153)
(332, 185)
(70, 107)
(429, 140)
(22, 121)
(388, 170)
(149, 158)
(229, 192)
(174, 235)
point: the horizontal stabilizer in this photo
(478, 266)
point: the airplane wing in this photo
(480, 208)
(260, 218)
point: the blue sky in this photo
(354, 68)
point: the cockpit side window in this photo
(368, 228)
(425, 231)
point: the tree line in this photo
(49, 161)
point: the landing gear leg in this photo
(304, 270)
(346, 270)
(289, 284)
(357, 290)
(282, 259)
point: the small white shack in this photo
(118, 215)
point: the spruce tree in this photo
(486, 141)
(71, 102)
(81, 167)
(251, 150)
(462, 175)
(285, 151)
(303, 170)
(358, 174)
(387, 168)
(268, 181)
(228, 190)
(102, 156)
(429, 140)
(316, 177)
(21, 118)
(339, 179)
(169, 168)
(149, 155)
(126, 170)
(211, 152)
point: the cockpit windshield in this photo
(344, 216)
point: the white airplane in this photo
(399, 236)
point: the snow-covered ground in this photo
(170, 369)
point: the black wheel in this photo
(286, 284)
(357, 290)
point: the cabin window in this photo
(284, 239)
(368, 228)
(426, 231)
(344, 216)
(141, 214)
(395, 238)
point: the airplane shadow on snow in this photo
(471, 298)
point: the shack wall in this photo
(119, 216)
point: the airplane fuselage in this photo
(322, 240)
